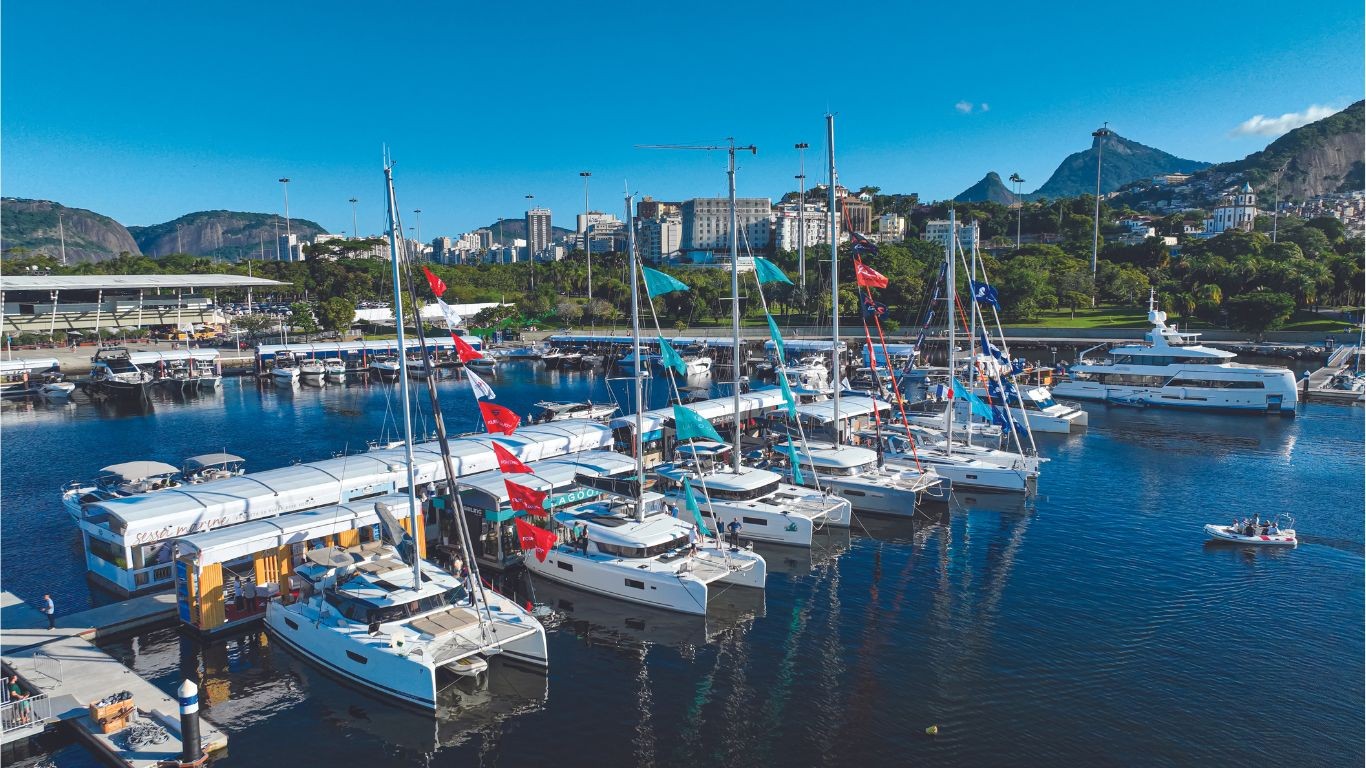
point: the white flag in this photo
(452, 320)
(480, 387)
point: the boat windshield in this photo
(365, 612)
(641, 552)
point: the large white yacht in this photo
(1173, 370)
(119, 481)
(853, 473)
(647, 561)
(767, 509)
(359, 614)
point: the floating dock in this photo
(67, 672)
(1320, 387)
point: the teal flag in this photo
(657, 283)
(979, 408)
(768, 272)
(796, 464)
(696, 511)
(787, 394)
(670, 357)
(689, 426)
(777, 340)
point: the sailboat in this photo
(379, 615)
(626, 545)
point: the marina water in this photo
(1094, 625)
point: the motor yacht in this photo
(552, 410)
(334, 369)
(112, 372)
(312, 368)
(386, 366)
(119, 481)
(284, 369)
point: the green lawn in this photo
(1308, 321)
(1100, 317)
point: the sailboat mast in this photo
(735, 299)
(395, 234)
(951, 296)
(638, 443)
(973, 310)
(834, 277)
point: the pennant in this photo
(657, 283)
(670, 357)
(984, 294)
(437, 285)
(524, 499)
(481, 388)
(453, 320)
(862, 244)
(777, 340)
(787, 394)
(796, 464)
(689, 426)
(534, 538)
(768, 272)
(464, 350)
(979, 408)
(867, 276)
(508, 463)
(499, 420)
(989, 348)
(690, 499)
(873, 310)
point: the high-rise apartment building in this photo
(706, 223)
(538, 232)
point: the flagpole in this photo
(638, 442)
(834, 277)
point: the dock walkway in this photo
(1320, 385)
(64, 666)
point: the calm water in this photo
(1095, 626)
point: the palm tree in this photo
(1210, 293)
(1185, 303)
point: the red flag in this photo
(524, 499)
(437, 285)
(535, 538)
(507, 462)
(499, 419)
(464, 350)
(867, 276)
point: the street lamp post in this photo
(355, 230)
(587, 243)
(801, 214)
(417, 214)
(1019, 208)
(288, 238)
(1100, 134)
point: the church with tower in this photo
(1237, 210)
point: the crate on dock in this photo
(112, 718)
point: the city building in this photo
(937, 230)
(856, 215)
(1236, 210)
(650, 208)
(706, 223)
(485, 237)
(290, 248)
(787, 225)
(538, 232)
(660, 238)
(891, 227)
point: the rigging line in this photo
(1005, 347)
(896, 391)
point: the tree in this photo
(1260, 310)
(337, 314)
(255, 324)
(569, 312)
(301, 318)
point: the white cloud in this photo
(986, 107)
(1261, 125)
(963, 106)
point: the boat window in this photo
(1131, 379)
(1182, 381)
(356, 657)
(754, 521)
(290, 623)
(107, 552)
(635, 584)
(742, 494)
(564, 566)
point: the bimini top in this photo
(213, 460)
(177, 512)
(225, 544)
(488, 491)
(752, 403)
(851, 406)
(133, 471)
(171, 356)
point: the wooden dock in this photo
(68, 672)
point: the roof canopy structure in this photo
(131, 282)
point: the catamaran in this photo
(854, 473)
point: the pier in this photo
(66, 672)
(1319, 385)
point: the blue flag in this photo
(691, 500)
(657, 283)
(991, 349)
(787, 394)
(768, 272)
(1010, 393)
(796, 464)
(670, 357)
(978, 407)
(984, 294)
(777, 340)
(874, 310)
(689, 426)
(862, 244)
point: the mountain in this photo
(989, 190)
(1123, 161)
(33, 224)
(512, 229)
(221, 234)
(1319, 158)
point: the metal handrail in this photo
(17, 714)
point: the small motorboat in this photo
(1261, 533)
(312, 367)
(54, 386)
(482, 364)
(384, 365)
(334, 368)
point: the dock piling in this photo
(188, 696)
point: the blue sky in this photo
(146, 111)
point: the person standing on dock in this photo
(51, 611)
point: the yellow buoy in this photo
(933, 730)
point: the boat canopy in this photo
(489, 493)
(133, 471)
(851, 406)
(21, 364)
(267, 352)
(752, 403)
(172, 356)
(646, 343)
(804, 345)
(146, 518)
(226, 544)
(212, 460)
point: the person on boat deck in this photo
(692, 541)
(1266, 526)
(735, 532)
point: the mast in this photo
(394, 235)
(734, 300)
(951, 284)
(638, 442)
(834, 277)
(973, 309)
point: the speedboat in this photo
(482, 364)
(112, 372)
(647, 561)
(417, 367)
(384, 365)
(334, 369)
(284, 369)
(1255, 532)
(551, 410)
(206, 373)
(312, 368)
(119, 481)
(361, 613)
(212, 466)
(767, 509)
(54, 386)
